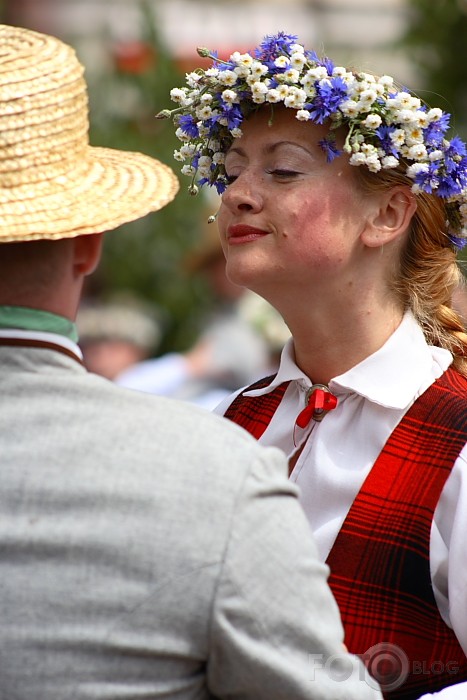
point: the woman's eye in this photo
(278, 172)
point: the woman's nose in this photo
(242, 194)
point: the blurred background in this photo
(135, 51)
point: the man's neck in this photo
(26, 318)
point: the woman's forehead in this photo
(273, 130)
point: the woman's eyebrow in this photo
(270, 148)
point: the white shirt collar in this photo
(43, 336)
(390, 377)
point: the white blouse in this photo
(372, 397)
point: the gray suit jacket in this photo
(149, 549)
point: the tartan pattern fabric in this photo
(254, 413)
(380, 573)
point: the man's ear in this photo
(87, 253)
(391, 218)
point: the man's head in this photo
(53, 184)
(48, 274)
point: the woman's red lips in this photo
(241, 232)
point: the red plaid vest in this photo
(380, 573)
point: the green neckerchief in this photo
(36, 320)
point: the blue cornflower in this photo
(428, 180)
(454, 177)
(312, 56)
(434, 133)
(273, 46)
(456, 148)
(329, 146)
(448, 186)
(228, 65)
(329, 95)
(220, 186)
(221, 65)
(328, 64)
(387, 144)
(450, 165)
(188, 125)
(457, 242)
(233, 115)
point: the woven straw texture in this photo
(53, 184)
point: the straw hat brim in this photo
(107, 188)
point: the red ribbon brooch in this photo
(319, 401)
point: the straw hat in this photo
(53, 184)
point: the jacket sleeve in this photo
(275, 630)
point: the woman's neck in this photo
(327, 345)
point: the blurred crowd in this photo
(239, 342)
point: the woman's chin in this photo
(242, 274)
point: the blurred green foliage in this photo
(146, 257)
(436, 41)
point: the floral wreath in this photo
(385, 126)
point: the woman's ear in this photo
(87, 253)
(391, 217)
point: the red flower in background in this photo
(133, 57)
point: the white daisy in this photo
(372, 121)
(228, 77)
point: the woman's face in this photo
(288, 216)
